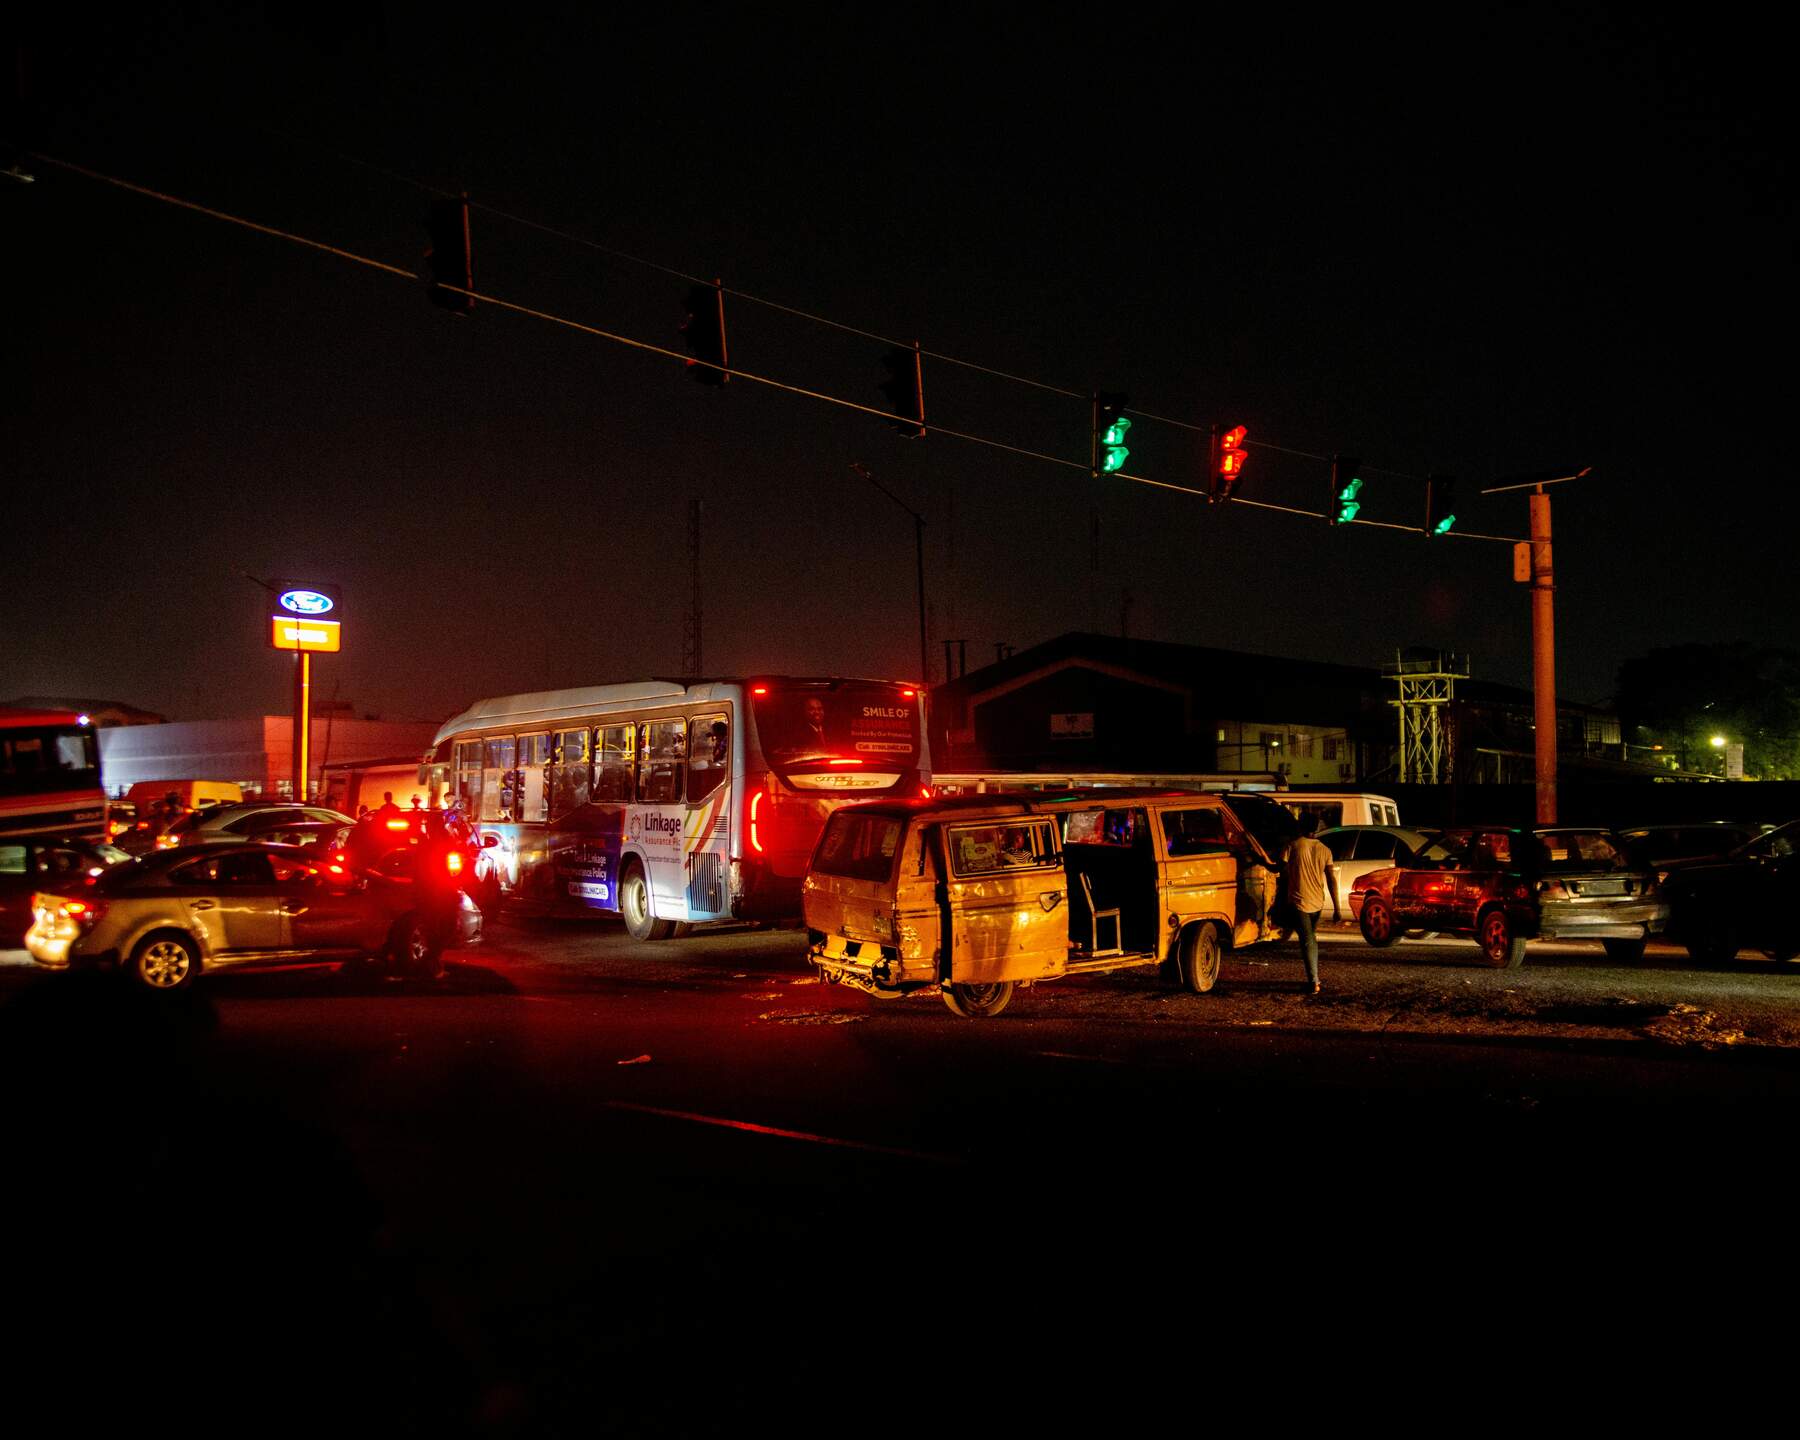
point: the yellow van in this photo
(977, 895)
(194, 794)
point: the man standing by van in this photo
(1309, 875)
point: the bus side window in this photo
(530, 799)
(468, 779)
(664, 746)
(498, 777)
(709, 750)
(613, 757)
(569, 773)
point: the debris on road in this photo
(636, 1060)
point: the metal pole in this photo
(1543, 655)
(302, 722)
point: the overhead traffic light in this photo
(704, 332)
(905, 390)
(1346, 486)
(449, 258)
(1110, 427)
(1226, 465)
(1440, 505)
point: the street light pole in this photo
(919, 546)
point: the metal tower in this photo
(1427, 688)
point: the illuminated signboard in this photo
(287, 633)
(305, 615)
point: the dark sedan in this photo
(30, 863)
(1502, 887)
(1749, 898)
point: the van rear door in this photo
(1005, 891)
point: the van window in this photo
(1006, 845)
(1194, 832)
(1106, 827)
(859, 846)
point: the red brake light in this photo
(759, 689)
(846, 762)
(755, 839)
(907, 693)
(82, 912)
(396, 824)
(924, 792)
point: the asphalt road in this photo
(590, 1186)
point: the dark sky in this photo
(1528, 242)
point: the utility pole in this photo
(1543, 655)
(1532, 565)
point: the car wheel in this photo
(634, 905)
(1498, 941)
(415, 951)
(1377, 923)
(978, 1002)
(1712, 951)
(165, 962)
(1199, 955)
(1625, 952)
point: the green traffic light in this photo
(1443, 526)
(1348, 504)
(1112, 445)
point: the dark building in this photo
(1102, 703)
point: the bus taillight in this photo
(755, 837)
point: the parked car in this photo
(30, 863)
(1356, 850)
(1503, 887)
(166, 919)
(1750, 897)
(1661, 845)
(246, 820)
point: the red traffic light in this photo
(1227, 460)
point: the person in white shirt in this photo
(1309, 875)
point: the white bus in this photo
(671, 803)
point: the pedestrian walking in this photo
(1309, 875)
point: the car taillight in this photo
(453, 862)
(1522, 891)
(167, 842)
(83, 912)
(398, 824)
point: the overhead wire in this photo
(599, 332)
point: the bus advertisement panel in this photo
(673, 804)
(50, 775)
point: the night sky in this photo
(1527, 243)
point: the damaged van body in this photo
(977, 896)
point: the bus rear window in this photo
(874, 724)
(859, 846)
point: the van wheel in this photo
(634, 905)
(1200, 957)
(978, 1002)
(165, 962)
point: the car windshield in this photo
(1783, 841)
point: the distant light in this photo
(83, 720)
(1718, 742)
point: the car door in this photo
(327, 918)
(1425, 890)
(233, 902)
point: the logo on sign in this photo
(305, 602)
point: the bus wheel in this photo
(978, 1002)
(1200, 957)
(634, 905)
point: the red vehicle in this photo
(50, 775)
